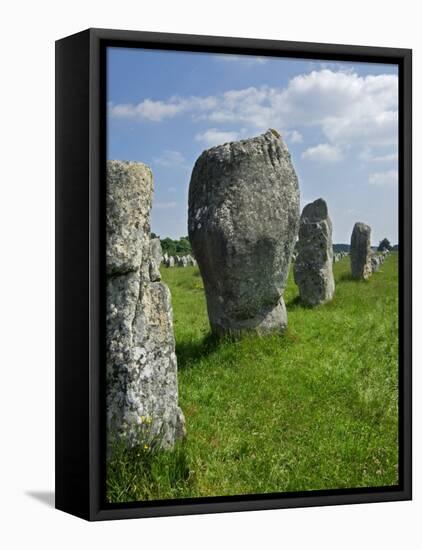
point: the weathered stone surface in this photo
(376, 262)
(156, 251)
(155, 260)
(360, 251)
(313, 269)
(128, 203)
(243, 222)
(190, 260)
(142, 395)
(154, 271)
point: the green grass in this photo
(313, 409)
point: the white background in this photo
(27, 37)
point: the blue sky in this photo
(339, 121)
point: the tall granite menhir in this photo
(142, 394)
(243, 222)
(360, 251)
(313, 269)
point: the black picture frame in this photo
(80, 167)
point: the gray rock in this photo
(128, 203)
(376, 263)
(141, 366)
(243, 221)
(190, 260)
(313, 269)
(170, 262)
(154, 271)
(156, 250)
(155, 260)
(360, 251)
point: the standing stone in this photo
(313, 269)
(375, 263)
(156, 251)
(190, 260)
(142, 394)
(170, 262)
(360, 251)
(155, 260)
(243, 222)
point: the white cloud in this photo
(170, 158)
(324, 152)
(389, 177)
(345, 107)
(164, 205)
(386, 158)
(293, 136)
(213, 136)
(156, 111)
(149, 110)
(242, 59)
(382, 154)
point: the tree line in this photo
(174, 247)
(182, 247)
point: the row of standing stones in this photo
(243, 222)
(172, 261)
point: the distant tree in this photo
(384, 245)
(168, 246)
(395, 248)
(180, 247)
(183, 246)
(341, 248)
(154, 236)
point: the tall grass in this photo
(315, 408)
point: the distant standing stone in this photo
(375, 263)
(155, 260)
(243, 222)
(313, 269)
(156, 250)
(360, 251)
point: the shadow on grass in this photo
(347, 277)
(296, 303)
(190, 351)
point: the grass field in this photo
(313, 409)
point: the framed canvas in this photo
(233, 274)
